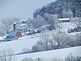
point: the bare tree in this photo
(39, 59)
(51, 19)
(8, 22)
(2, 30)
(60, 39)
(46, 42)
(72, 58)
(74, 40)
(77, 21)
(39, 21)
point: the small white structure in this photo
(64, 19)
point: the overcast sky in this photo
(20, 8)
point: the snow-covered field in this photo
(24, 43)
(59, 54)
(20, 45)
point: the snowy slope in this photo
(60, 53)
(24, 43)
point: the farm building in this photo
(13, 34)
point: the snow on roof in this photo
(20, 44)
(63, 19)
(21, 21)
(23, 24)
(1, 38)
(12, 33)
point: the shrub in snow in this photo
(49, 42)
(27, 59)
(57, 40)
(38, 21)
(39, 59)
(38, 47)
(72, 58)
(74, 40)
(67, 58)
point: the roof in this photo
(12, 33)
(61, 19)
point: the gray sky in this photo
(20, 8)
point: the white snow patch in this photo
(60, 19)
(60, 53)
(19, 45)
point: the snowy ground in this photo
(20, 45)
(59, 54)
(24, 43)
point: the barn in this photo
(13, 34)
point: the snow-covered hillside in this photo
(20, 45)
(60, 53)
(25, 43)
